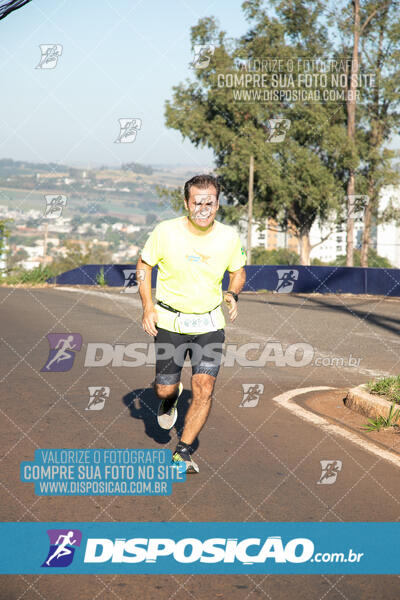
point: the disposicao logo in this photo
(191, 550)
(62, 547)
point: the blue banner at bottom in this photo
(199, 548)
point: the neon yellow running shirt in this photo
(191, 267)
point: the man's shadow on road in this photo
(143, 405)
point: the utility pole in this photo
(351, 133)
(46, 230)
(250, 208)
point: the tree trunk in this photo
(351, 130)
(305, 248)
(366, 238)
(350, 221)
(375, 142)
(250, 208)
(46, 230)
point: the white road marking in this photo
(389, 340)
(373, 373)
(285, 401)
(122, 297)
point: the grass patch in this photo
(389, 387)
(37, 275)
(383, 422)
(100, 278)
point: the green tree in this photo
(369, 36)
(280, 256)
(137, 168)
(374, 260)
(4, 234)
(380, 113)
(14, 258)
(294, 181)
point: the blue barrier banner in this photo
(283, 279)
(195, 548)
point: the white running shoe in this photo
(183, 456)
(167, 418)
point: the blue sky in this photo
(120, 58)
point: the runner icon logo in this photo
(62, 351)
(286, 280)
(50, 54)
(251, 394)
(330, 470)
(356, 205)
(128, 129)
(62, 547)
(202, 55)
(54, 206)
(133, 277)
(277, 129)
(97, 397)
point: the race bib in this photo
(192, 323)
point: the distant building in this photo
(50, 240)
(132, 228)
(135, 219)
(268, 235)
(102, 243)
(388, 235)
(30, 263)
(125, 253)
(335, 243)
(3, 261)
(385, 238)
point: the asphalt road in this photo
(259, 463)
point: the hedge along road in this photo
(258, 462)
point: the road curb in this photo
(370, 405)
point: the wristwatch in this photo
(236, 297)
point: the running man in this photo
(62, 549)
(192, 253)
(287, 280)
(99, 396)
(54, 205)
(62, 353)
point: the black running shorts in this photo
(204, 350)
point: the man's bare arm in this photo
(150, 316)
(144, 282)
(237, 280)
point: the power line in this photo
(8, 6)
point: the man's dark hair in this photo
(201, 181)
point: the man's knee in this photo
(202, 387)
